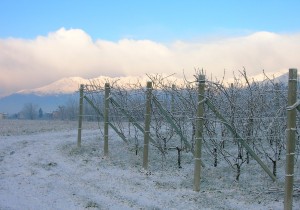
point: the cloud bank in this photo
(64, 53)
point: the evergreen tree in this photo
(41, 114)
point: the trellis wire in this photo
(183, 115)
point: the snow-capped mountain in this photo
(62, 86)
(47, 97)
(57, 93)
(71, 84)
(50, 96)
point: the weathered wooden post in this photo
(80, 115)
(147, 125)
(106, 112)
(199, 132)
(290, 144)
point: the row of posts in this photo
(199, 129)
(291, 131)
(199, 125)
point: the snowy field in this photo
(41, 168)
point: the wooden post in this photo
(80, 115)
(106, 110)
(290, 144)
(199, 132)
(147, 125)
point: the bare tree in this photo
(30, 111)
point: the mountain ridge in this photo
(62, 86)
(57, 93)
(70, 85)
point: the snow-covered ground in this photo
(42, 168)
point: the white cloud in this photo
(64, 53)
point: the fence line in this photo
(169, 103)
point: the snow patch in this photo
(44, 169)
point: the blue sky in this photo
(43, 41)
(162, 21)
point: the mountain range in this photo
(50, 96)
(55, 94)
